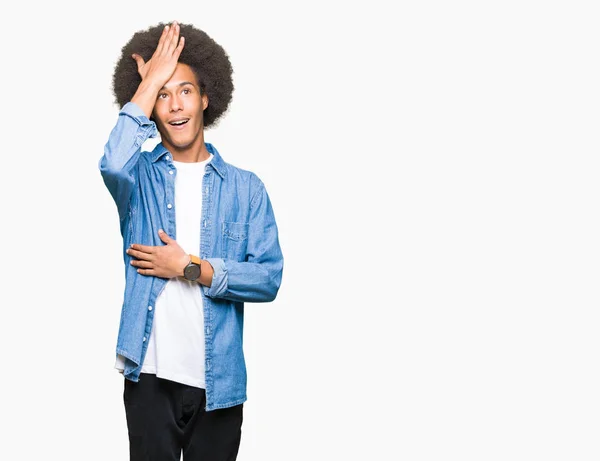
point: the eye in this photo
(186, 91)
(162, 95)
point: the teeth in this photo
(180, 122)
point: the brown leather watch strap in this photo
(195, 259)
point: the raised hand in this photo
(163, 62)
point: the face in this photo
(178, 110)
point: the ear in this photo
(204, 101)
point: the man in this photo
(199, 240)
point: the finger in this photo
(146, 272)
(179, 48)
(142, 248)
(168, 40)
(164, 237)
(142, 264)
(173, 39)
(140, 255)
(162, 40)
(139, 61)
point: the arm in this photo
(258, 278)
(166, 261)
(158, 70)
(122, 151)
(133, 127)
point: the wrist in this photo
(193, 268)
(145, 96)
(150, 84)
(207, 274)
(185, 260)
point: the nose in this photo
(176, 103)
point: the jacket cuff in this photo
(218, 286)
(134, 111)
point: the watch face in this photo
(191, 272)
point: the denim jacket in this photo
(238, 237)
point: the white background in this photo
(434, 174)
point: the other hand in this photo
(165, 261)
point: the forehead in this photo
(183, 73)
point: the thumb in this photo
(139, 60)
(164, 237)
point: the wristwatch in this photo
(192, 271)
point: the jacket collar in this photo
(217, 162)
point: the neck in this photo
(195, 152)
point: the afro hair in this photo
(207, 58)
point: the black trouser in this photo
(165, 417)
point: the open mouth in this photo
(180, 123)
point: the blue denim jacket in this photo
(238, 237)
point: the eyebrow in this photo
(181, 84)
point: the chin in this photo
(179, 143)
(182, 146)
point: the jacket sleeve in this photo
(122, 151)
(258, 278)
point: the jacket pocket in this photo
(235, 240)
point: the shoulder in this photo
(233, 175)
(236, 180)
(242, 175)
(246, 181)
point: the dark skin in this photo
(161, 73)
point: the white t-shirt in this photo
(176, 344)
